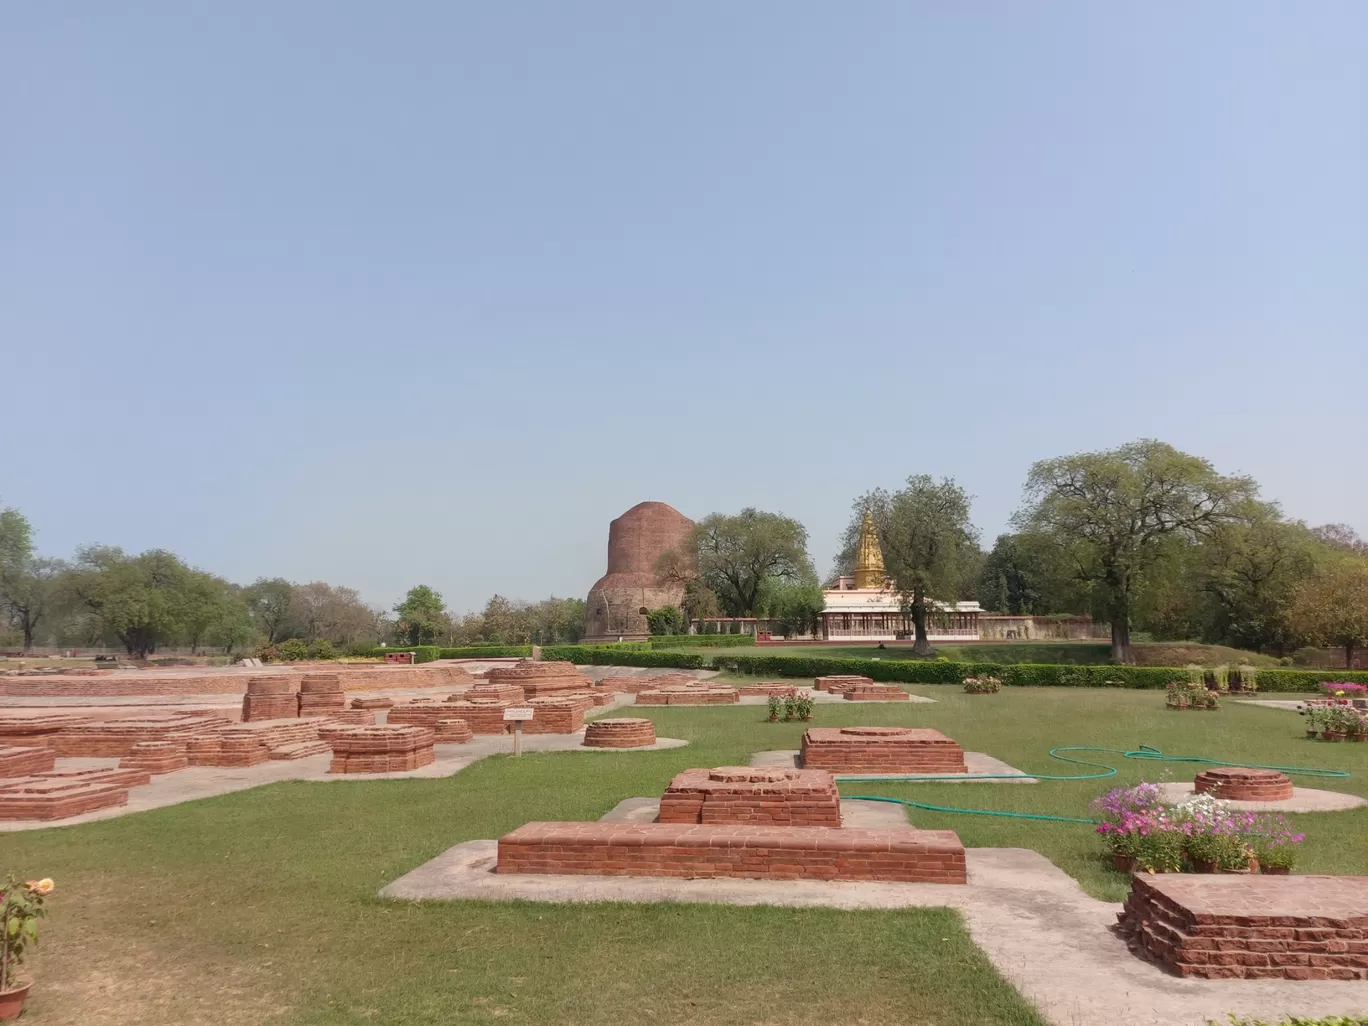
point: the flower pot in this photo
(1313, 733)
(12, 1002)
(1203, 866)
(1275, 870)
(1357, 737)
(1125, 863)
(1332, 735)
(774, 718)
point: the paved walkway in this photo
(983, 769)
(1047, 937)
(1304, 799)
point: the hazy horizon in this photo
(431, 293)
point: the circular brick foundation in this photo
(620, 732)
(1244, 785)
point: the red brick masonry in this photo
(381, 749)
(752, 795)
(620, 732)
(1251, 927)
(20, 762)
(753, 852)
(881, 750)
(776, 688)
(539, 680)
(1244, 785)
(876, 693)
(689, 695)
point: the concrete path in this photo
(197, 782)
(977, 763)
(1304, 799)
(1048, 938)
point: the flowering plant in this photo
(1186, 695)
(1274, 842)
(1342, 689)
(982, 685)
(21, 906)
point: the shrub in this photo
(1186, 695)
(291, 650)
(703, 640)
(982, 685)
(624, 655)
(322, 649)
(21, 906)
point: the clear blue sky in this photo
(388, 293)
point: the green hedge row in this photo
(702, 640)
(1306, 680)
(624, 655)
(427, 653)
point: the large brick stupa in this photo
(636, 540)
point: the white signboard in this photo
(517, 715)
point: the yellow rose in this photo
(45, 886)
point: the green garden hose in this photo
(1145, 753)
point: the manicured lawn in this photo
(260, 906)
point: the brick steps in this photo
(383, 749)
(1245, 785)
(748, 852)
(25, 760)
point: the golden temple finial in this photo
(869, 564)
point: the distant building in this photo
(617, 604)
(865, 607)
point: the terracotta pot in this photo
(1125, 863)
(1313, 733)
(774, 718)
(12, 1002)
(1202, 866)
(1332, 735)
(1275, 870)
(1358, 737)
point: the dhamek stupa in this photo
(618, 601)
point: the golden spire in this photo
(869, 564)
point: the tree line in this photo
(1142, 537)
(153, 601)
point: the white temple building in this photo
(865, 607)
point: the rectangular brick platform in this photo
(881, 750)
(775, 688)
(1251, 927)
(689, 695)
(113, 739)
(839, 682)
(382, 749)
(752, 795)
(875, 693)
(751, 852)
(27, 731)
(48, 798)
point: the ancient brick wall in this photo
(752, 795)
(635, 541)
(881, 750)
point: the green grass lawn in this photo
(260, 906)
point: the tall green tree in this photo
(422, 617)
(1331, 608)
(271, 603)
(796, 606)
(1113, 513)
(736, 556)
(930, 547)
(28, 583)
(141, 600)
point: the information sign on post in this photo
(518, 716)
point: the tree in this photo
(142, 600)
(270, 601)
(234, 627)
(1341, 537)
(665, 620)
(202, 606)
(797, 606)
(422, 617)
(27, 582)
(736, 557)
(1331, 608)
(1113, 512)
(930, 548)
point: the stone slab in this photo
(981, 769)
(1304, 799)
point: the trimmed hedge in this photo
(702, 640)
(487, 652)
(1306, 680)
(624, 655)
(421, 653)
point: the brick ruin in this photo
(838, 682)
(752, 795)
(738, 851)
(739, 821)
(860, 689)
(320, 694)
(270, 698)
(1250, 927)
(20, 762)
(156, 757)
(452, 732)
(541, 680)
(692, 694)
(881, 750)
(777, 689)
(56, 795)
(384, 749)
(636, 685)
(620, 732)
(191, 681)
(1244, 785)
